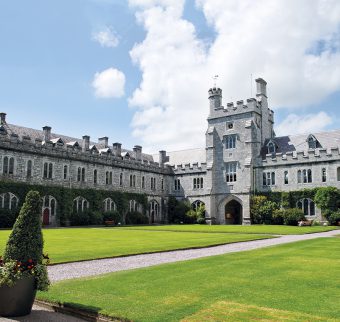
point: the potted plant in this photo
(23, 268)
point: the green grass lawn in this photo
(74, 244)
(298, 281)
(253, 229)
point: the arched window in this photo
(110, 179)
(9, 200)
(50, 170)
(51, 203)
(5, 166)
(83, 174)
(162, 184)
(196, 204)
(79, 174)
(309, 175)
(107, 177)
(304, 172)
(143, 182)
(307, 206)
(29, 169)
(45, 175)
(286, 177)
(121, 179)
(324, 174)
(11, 166)
(80, 204)
(133, 205)
(109, 205)
(65, 172)
(154, 211)
(338, 174)
(95, 176)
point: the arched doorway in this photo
(46, 216)
(154, 211)
(233, 213)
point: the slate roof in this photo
(22, 131)
(291, 143)
(184, 156)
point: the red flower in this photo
(30, 261)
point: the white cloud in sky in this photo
(106, 37)
(310, 123)
(109, 83)
(276, 40)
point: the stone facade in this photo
(242, 156)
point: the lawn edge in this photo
(164, 251)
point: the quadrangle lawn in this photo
(292, 282)
(75, 244)
(253, 229)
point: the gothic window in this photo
(48, 170)
(299, 176)
(286, 177)
(143, 182)
(194, 183)
(50, 202)
(309, 175)
(201, 183)
(162, 184)
(29, 169)
(177, 184)
(8, 200)
(133, 205)
(83, 174)
(196, 204)
(79, 174)
(65, 172)
(153, 183)
(307, 206)
(109, 205)
(324, 175)
(230, 142)
(95, 176)
(154, 210)
(107, 177)
(268, 178)
(80, 204)
(338, 174)
(231, 171)
(8, 165)
(121, 179)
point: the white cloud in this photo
(109, 83)
(275, 40)
(310, 123)
(106, 37)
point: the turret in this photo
(261, 87)
(215, 98)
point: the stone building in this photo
(242, 156)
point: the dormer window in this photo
(312, 142)
(271, 147)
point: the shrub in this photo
(112, 215)
(333, 217)
(95, 218)
(290, 216)
(327, 199)
(261, 210)
(136, 218)
(80, 218)
(201, 221)
(25, 245)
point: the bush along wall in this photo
(265, 206)
(66, 214)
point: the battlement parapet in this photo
(311, 155)
(75, 152)
(190, 168)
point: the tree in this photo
(327, 199)
(26, 240)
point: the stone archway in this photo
(233, 213)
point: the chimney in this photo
(104, 140)
(117, 148)
(47, 133)
(138, 152)
(261, 87)
(162, 158)
(2, 118)
(85, 143)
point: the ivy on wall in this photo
(65, 197)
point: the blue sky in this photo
(160, 68)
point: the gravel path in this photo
(102, 266)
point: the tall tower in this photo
(234, 138)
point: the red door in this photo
(46, 216)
